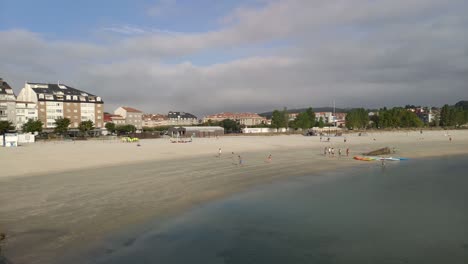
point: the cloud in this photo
(359, 53)
(125, 29)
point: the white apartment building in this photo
(24, 112)
(181, 119)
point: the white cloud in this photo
(357, 52)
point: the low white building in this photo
(9, 140)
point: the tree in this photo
(311, 115)
(61, 125)
(321, 123)
(32, 126)
(230, 126)
(357, 118)
(303, 121)
(110, 127)
(125, 129)
(6, 126)
(86, 126)
(444, 116)
(278, 119)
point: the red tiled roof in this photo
(109, 117)
(130, 109)
(229, 115)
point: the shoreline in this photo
(52, 213)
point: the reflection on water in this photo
(412, 212)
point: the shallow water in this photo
(408, 212)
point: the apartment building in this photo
(132, 116)
(7, 103)
(55, 101)
(155, 120)
(246, 119)
(181, 119)
(24, 112)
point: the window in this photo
(68, 97)
(68, 110)
(75, 111)
(82, 98)
(75, 97)
(99, 104)
(49, 97)
(41, 96)
(99, 117)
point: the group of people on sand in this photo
(329, 151)
(240, 161)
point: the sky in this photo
(209, 56)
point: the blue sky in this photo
(209, 56)
(80, 19)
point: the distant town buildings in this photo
(425, 114)
(116, 119)
(181, 119)
(131, 115)
(7, 102)
(246, 119)
(155, 120)
(54, 101)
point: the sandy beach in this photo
(61, 197)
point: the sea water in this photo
(406, 212)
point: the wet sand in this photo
(58, 198)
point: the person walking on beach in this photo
(339, 152)
(329, 151)
(219, 153)
(240, 160)
(450, 138)
(269, 158)
(344, 140)
(320, 138)
(333, 152)
(325, 151)
(347, 152)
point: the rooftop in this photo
(5, 88)
(180, 115)
(60, 91)
(229, 115)
(130, 109)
